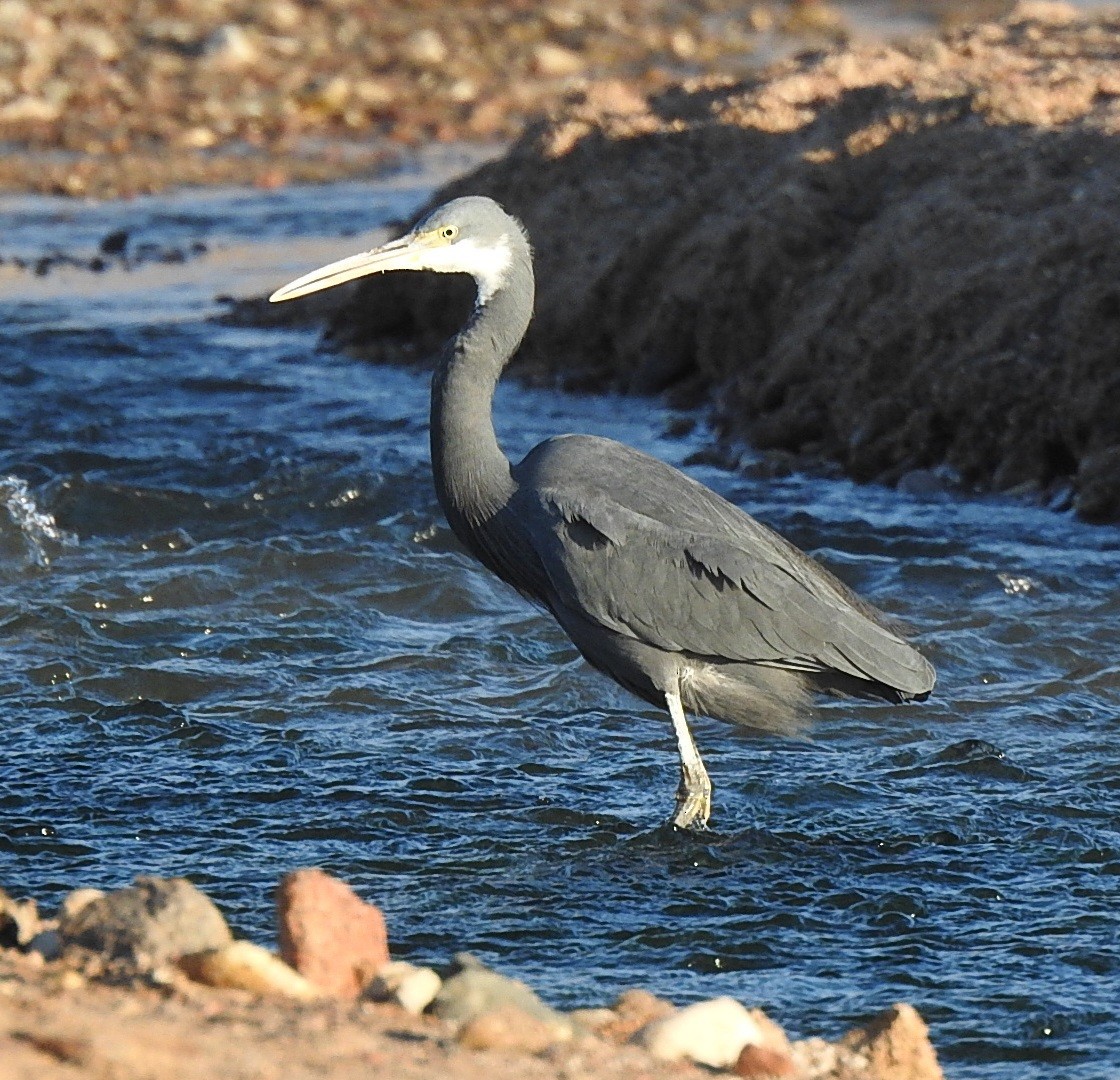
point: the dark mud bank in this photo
(889, 258)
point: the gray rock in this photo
(412, 988)
(152, 921)
(47, 943)
(475, 990)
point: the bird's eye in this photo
(448, 232)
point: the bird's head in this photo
(472, 235)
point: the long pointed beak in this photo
(402, 254)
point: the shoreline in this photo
(148, 981)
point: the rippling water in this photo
(238, 638)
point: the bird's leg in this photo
(694, 796)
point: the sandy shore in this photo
(55, 1024)
(148, 981)
(118, 97)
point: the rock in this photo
(96, 40)
(114, 243)
(815, 18)
(30, 110)
(282, 15)
(633, 1010)
(152, 921)
(556, 62)
(595, 1021)
(817, 1059)
(19, 922)
(426, 48)
(508, 1028)
(1098, 486)
(198, 137)
(242, 965)
(329, 934)
(72, 980)
(475, 990)
(896, 1044)
(710, 1033)
(334, 93)
(374, 93)
(47, 943)
(762, 1063)
(77, 899)
(412, 988)
(231, 48)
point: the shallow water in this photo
(239, 639)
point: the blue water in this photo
(238, 638)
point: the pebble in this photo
(282, 16)
(72, 980)
(816, 1057)
(19, 921)
(896, 1043)
(328, 933)
(488, 1011)
(597, 1021)
(198, 137)
(632, 1010)
(30, 110)
(154, 920)
(475, 990)
(762, 1063)
(77, 899)
(555, 62)
(508, 1028)
(96, 40)
(426, 48)
(47, 944)
(230, 47)
(709, 1033)
(242, 965)
(412, 988)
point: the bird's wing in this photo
(708, 593)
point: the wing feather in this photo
(709, 595)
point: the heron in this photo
(673, 591)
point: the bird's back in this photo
(680, 567)
(656, 490)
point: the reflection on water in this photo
(265, 650)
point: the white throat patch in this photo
(487, 264)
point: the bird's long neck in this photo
(472, 473)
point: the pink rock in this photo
(763, 1063)
(896, 1044)
(508, 1028)
(328, 934)
(633, 1009)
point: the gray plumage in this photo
(671, 590)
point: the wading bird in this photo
(662, 584)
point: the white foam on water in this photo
(37, 526)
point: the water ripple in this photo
(267, 650)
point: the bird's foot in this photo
(694, 802)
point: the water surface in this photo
(238, 638)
